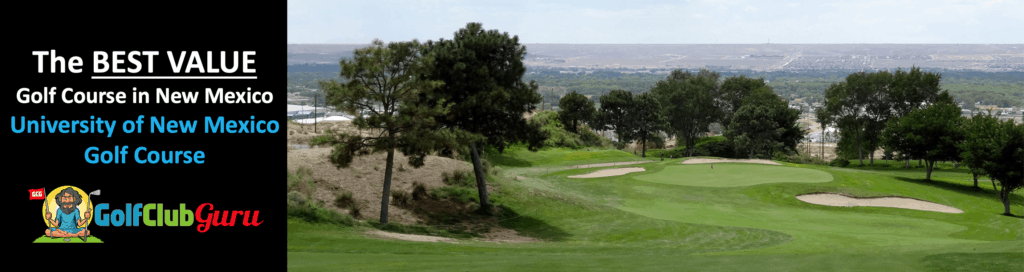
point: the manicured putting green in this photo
(733, 175)
(73, 240)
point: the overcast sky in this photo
(664, 22)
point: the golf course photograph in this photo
(481, 147)
(714, 216)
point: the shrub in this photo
(839, 162)
(779, 156)
(461, 194)
(402, 199)
(314, 214)
(354, 210)
(589, 138)
(557, 135)
(459, 179)
(301, 182)
(343, 200)
(817, 160)
(722, 149)
(805, 158)
(619, 145)
(296, 198)
(419, 191)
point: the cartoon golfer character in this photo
(68, 217)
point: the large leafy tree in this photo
(877, 109)
(381, 92)
(862, 105)
(911, 90)
(689, 104)
(967, 156)
(764, 124)
(931, 133)
(850, 104)
(576, 109)
(613, 115)
(999, 147)
(733, 90)
(482, 71)
(647, 119)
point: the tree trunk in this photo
(919, 162)
(993, 184)
(384, 199)
(872, 158)
(689, 146)
(976, 180)
(821, 146)
(643, 148)
(1005, 197)
(906, 163)
(928, 169)
(481, 182)
(956, 165)
(860, 152)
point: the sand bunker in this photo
(891, 202)
(411, 237)
(702, 160)
(609, 172)
(608, 164)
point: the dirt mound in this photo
(703, 160)
(890, 202)
(365, 179)
(609, 172)
(507, 236)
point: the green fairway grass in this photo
(75, 240)
(670, 218)
(733, 175)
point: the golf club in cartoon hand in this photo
(85, 238)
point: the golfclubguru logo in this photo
(155, 215)
(67, 212)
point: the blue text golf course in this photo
(675, 217)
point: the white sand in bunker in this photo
(609, 172)
(890, 202)
(593, 165)
(703, 160)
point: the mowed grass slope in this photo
(552, 157)
(626, 223)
